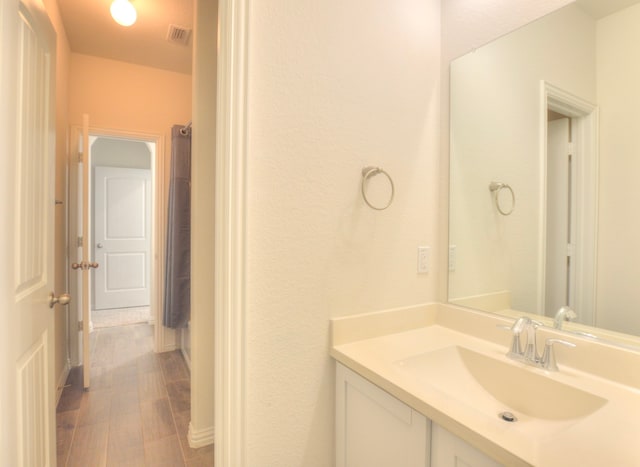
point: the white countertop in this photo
(607, 437)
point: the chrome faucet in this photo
(515, 351)
(565, 313)
(548, 360)
(530, 354)
(523, 325)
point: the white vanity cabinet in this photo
(447, 450)
(374, 429)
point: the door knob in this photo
(84, 265)
(63, 299)
(99, 245)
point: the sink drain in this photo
(508, 417)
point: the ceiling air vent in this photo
(178, 34)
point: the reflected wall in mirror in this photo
(545, 166)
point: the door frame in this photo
(230, 233)
(158, 232)
(585, 121)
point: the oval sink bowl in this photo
(492, 386)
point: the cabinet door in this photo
(374, 429)
(447, 450)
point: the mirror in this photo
(544, 163)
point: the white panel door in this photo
(122, 237)
(27, 149)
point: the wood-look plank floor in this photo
(137, 410)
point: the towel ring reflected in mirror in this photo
(496, 188)
(369, 172)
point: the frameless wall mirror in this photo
(544, 167)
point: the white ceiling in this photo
(91, 31)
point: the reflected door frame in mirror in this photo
(581, 248)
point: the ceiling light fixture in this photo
(123, 12)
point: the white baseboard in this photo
(185, 355)
(200, 438)
(165, 339)
(62, 379)
(169, 348)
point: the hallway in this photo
(120, 317)
(138, 408)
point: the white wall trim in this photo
(185, 355)
(230, 417)
(183, 347)
(62, 380)
(200, 438)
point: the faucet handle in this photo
(516, 329)
(531, 350)
(521, 324)
(518, 326)
(548, 361)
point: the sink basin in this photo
(493, 386)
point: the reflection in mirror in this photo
(549, 111)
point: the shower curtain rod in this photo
(185, 130)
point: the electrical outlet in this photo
(452, 257)
(423, 259)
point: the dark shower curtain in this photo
(177, 304)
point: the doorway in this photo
(123, 179)
(569, 203)
(121, 222)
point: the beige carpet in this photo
(120, 317)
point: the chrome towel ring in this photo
(495, 188)
(369, 172)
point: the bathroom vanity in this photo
(374, 428)
(432, 386)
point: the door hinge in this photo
(80, 325)
(80, 157)
(571, 249)
(80, 242)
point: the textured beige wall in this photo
(333, 87)
(122, 96)
(619, 225)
